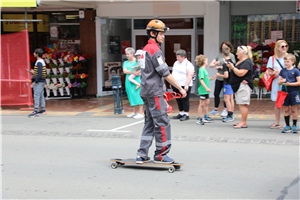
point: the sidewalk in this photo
(104, 106)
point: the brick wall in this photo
(88, 45)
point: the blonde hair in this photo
(200, 59)
(247, 50)
(290, 57)
(277, 47)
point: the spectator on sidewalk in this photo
(241, 82)
(219, 83)
(203, 90)
(228, 92)
(281, 48)
(39, 76)
(183, 72)
(290, 77)
(133, 95)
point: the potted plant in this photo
(53, 67)
(60, 78)
(48, 77)
(54, 78)
(66, 76)
(61, 68)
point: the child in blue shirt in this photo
(290, 77)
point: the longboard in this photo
(131, 161)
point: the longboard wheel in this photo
(177, 167)
(171, 169)
(114, 165)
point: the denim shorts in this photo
(292, 99)
(227, 89)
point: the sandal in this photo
(239, 126)
(275, 125)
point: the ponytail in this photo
(249, 52)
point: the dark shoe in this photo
(178, 116)
(165, 160)
(34, 114)
(43, 112)
(185, 117)
(140, 160)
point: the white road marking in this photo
(116, 129)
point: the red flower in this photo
(261, 83)
(263, 68)
(32, 58)
(87, 56)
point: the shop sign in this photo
(276, 35)
(114, 44)
(14, 26)
(19, 3)
(111, 69)
(53, 32)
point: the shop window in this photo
(115, 37)
(265, 29)
(180, 23)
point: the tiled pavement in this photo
(104, 106)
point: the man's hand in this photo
(183, 93)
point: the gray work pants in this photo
(38, 96)
(157, 124)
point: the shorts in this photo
(204, 96)
(243, 95)
(292, 99)
(227, 89)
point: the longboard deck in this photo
(131, 161)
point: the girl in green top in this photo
(203, 90)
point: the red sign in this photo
(125, 44)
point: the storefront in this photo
(120, 25)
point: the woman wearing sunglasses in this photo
(276, 65)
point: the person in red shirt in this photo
(154, 71)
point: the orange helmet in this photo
(156, 25)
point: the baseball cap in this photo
(138, 52)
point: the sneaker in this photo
(287, 129)
(184, 118)
(141, 160)
(131, 115)
(178, 116)
(207, 120)
(294, 129)
(33, 114)
(228, 119)
(165, 160)
(43, 112)
(199, 121)
(224, 114)
(138, 116)
(214, 112)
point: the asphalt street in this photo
(68, 157)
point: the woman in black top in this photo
(241, 82)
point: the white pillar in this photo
(211, 37)
(99, 57)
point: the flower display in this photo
(78, 67)
(65, 74)
(83, 75)
(75, 84)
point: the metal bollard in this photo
(117, 94)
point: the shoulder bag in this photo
(267, 79)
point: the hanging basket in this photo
(61, 70)
(68, 90)
(61, 91)
(54, 70)
(68, 80)
(61, 80)
(54, 92)
(54, 80)
(48, 92)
